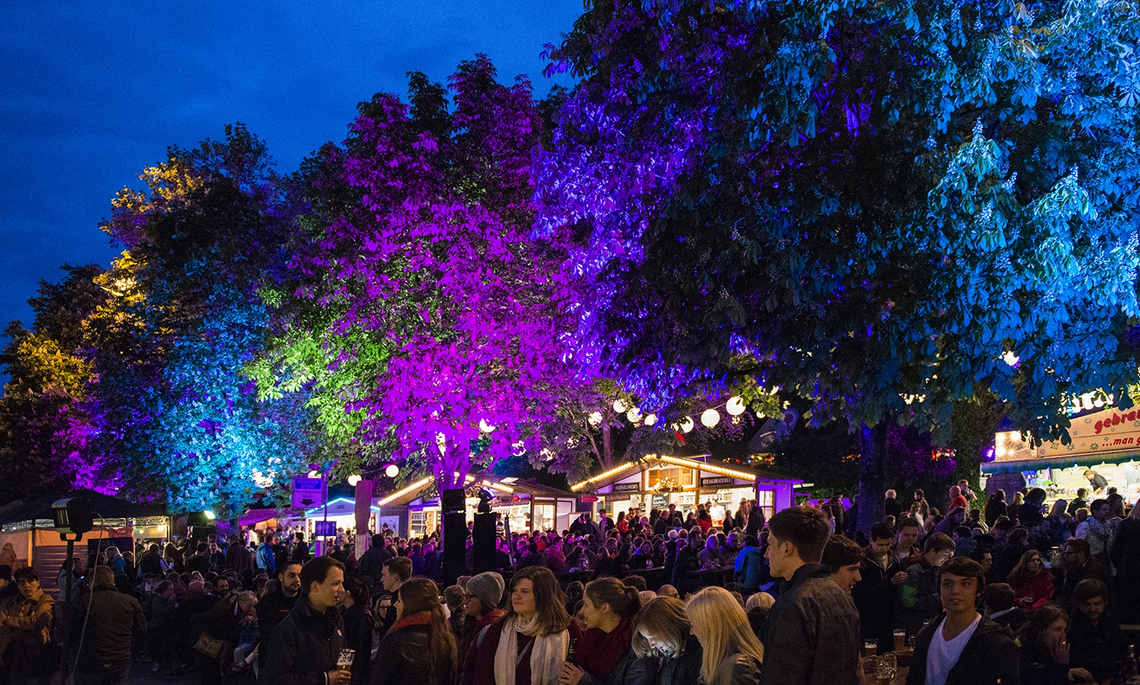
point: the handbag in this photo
(208, 645)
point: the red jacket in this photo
(1033, 594)
(472, 664)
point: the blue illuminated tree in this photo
(182, 320)
(866, 203)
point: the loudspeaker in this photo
(453, 501)
(454, 546)
(483, 540)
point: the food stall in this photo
(1104, 442)
(656, 481)
(525, 504)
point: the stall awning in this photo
(1058, 462)
(655, 460)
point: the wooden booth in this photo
(656, 481)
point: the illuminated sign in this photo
(1111, 430)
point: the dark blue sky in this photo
(90, 93)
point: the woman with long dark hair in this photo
(419, 648)
(605, 652)
(1031, 581)
(529, 644)
(663, 631)
(1045, 649)
(358, 623)
(732, 654)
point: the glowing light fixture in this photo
(1010, 358)
(595, 418)
(354, 479)
(735, 406)
(620, 405)
(602, 476)
(209, 514)
(411, 488)
(687, 424)
(314, 474)
(650, 419)
(486, 427)
(634, 415)
(391, 470)
(710, 418)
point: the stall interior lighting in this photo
(497, 486)
(411, 488)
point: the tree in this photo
(182, 319)
(43, 423)
(434, 277)
(876, 206)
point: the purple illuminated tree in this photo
(437, 270)
(876, 206)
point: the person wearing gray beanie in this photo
(488, 588)
(480, 607)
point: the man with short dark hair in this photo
(300, 548)
(904, 547)
(26, 619)
(1096, 642)
(303, 649)
(1096, 530)
(999, 602)
(200, 560)
(1077, 565)
(881, 573)
(842, 556)
(811, 636)
(960, 646)
(372, 561)
(395, 572)
(107, 619)
(275, 606)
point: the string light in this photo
(602, 476)
(411, 488)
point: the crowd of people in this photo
(1006, 593)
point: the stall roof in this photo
(416, 489)
(649, 460)
(1058, 462)
(101, 505)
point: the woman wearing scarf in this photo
(529, 644)
(419, 648)
(605, 653)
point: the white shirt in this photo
(944, 654)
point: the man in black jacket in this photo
(372, 561)
(276, 605)
(960, 646)
(1096, 641)
(811, 636)
(881, 573)
(106, 619)
(304, 648)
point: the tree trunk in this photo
(607, 447)
(872, 474)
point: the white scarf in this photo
(546, 655)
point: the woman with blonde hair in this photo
(732, 654)
(663, 631)
(528, 645)
(419, 647)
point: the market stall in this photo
(656, 481)
(1103, 446)
(524, 504)
(30, 529)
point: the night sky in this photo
(90, 93)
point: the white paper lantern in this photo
(486, 427)
(735, 406)
(710, 418)
(595, 418)
(634, 415)
(392, 471)
(620, 405)
(650, 419)
(354, 479)
(687, 424)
